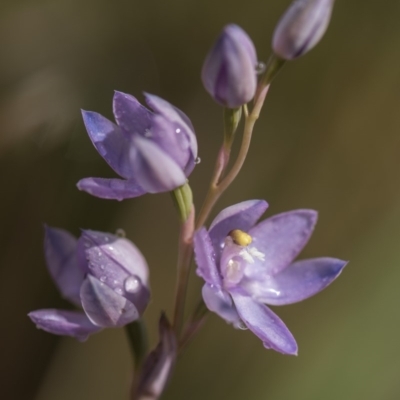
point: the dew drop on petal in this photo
(103, 278)
(242, 326)
(178, 130)
(102, 267)
(120, 233)
(118, 290)
(132, 284)
(260, 68)
(197, 160)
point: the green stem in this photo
(185, 252)
(137, 337)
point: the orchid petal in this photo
(109, 141)
(281, 238)
(130, 115)
(265, 324)
(114, 189)
(104, 307)
(205, 258)
(218, 300)
(63, 322)
(155, 170)
(175, 116)
(299, 281)
(118, 263)
(62, 263)
(241, 216)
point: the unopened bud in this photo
(229, 71)
(301, 27)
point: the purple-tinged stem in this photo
(216, 189)
(185, 251)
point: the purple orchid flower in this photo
(153, 151)
(247, 265)
(103, 274)
(229, 70)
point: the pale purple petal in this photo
(105, 307)
(155, 170)
(62, 263)
(282, 237)
(63, 322)
(299, 281)
(118, 263)
(109, 141)
(265, 324)
(113, 189)
(205, 258)
(219, 301)
(172, 139)
(130, 115)
(175, 116)
(242, 216)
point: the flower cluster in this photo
(245, 264)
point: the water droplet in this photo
(242, 326)
(178, 130)
(102, 267)
(120, 233)
(103, 278)
(132, 284)
(110, 248)
(115, 282)
(260, 68)
(197, 160)
(118, 290)
(106, 239)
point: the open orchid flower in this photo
(246, 265)
(152, 151)
(103, 274)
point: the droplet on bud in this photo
(197, 160)
(120, 233)
(260, 68)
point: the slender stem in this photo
(216, 190)
(184, 259)
(137, 337)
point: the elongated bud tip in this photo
(301, 27)
(229, 70)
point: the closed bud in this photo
(301, 27)
(229, 71)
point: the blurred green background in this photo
(328, 138)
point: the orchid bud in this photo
(103, 274)
(301, 27)
(229, 71)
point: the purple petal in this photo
(62, 263)
(109, 141)
(205, 258)
(130, 115)
(299, 281)
(62, 322)
(265, 324)
(114, 189)
(118, 263)
(242, 216)
(218, 300)
(155, 170)
(176, 116)
(282, 237)
(104, 307)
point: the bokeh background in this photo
(328, 138)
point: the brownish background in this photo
(329, 139)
